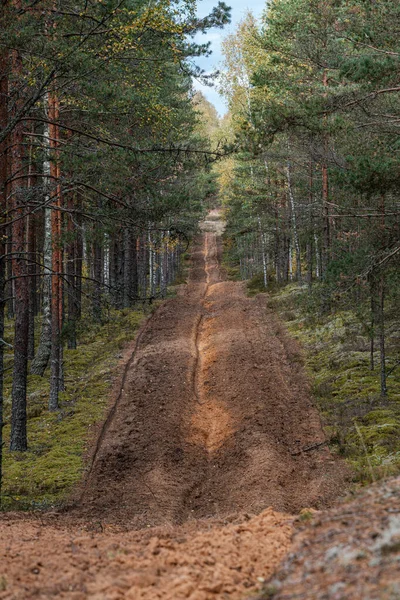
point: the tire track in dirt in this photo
(197, 366)
(129, 365)
(210, 422)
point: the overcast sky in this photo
(215, 36)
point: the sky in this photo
(215, 36)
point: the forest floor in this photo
(212, 452)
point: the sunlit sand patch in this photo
(211, 426)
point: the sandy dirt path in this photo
(212, 427)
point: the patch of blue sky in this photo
(215, 36)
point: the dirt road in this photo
(214, 409)
(213, 425)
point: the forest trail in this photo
(213, 410)
(196, 474)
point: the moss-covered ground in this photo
(360, 424)
(54, 462)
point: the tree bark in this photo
(381, 304)
(151, 264)
(326, 246)
(18, 440)
(31, 265)
(71, 279)
(263, 254)
(78, 266)
(3, 211)
(381, 332)
(128, 268)
(309, 255)
(134, 281)
(32, 284)
(97, 275)
(42, 357)
(372, 292)
(294, 220)
(56, 289)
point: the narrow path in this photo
(213, 413)
(197, 466)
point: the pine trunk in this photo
(71, 280)
(18, 441)
(294, 220)
(32, 284)
(42, 357)
(97, 275)
(3, 210)
(128, 268)
(381, 333)
(56, 289)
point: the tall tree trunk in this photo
(119, 249)
(309, 258)
(78, 264)
(294, 220)
(326, 245)
(151, 265)
(135, 280)
(3, 211)
(309, 246)
(56, 289)
(372, 292)
(381, 303)
(70, 272)
(31, 254)
(164, 265)
(263, 253)
(317, 257)
(143, 250)
(10, 283)
(381, 332)
(18, 440)
(278, 250)
(40, 362)
(127, 268)
(97, 275)
(31, 266)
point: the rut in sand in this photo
(214, 411)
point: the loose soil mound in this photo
(349, 552)
(199, 561)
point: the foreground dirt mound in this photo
(349, 552)
(198, 561)
(215, 415)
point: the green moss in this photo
(53, 464)
(347, 391)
